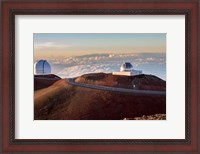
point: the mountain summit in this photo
(62, 100)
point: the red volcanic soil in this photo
(64, 101)
(43, 81)
(142, 82)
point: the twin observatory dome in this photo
(42, 67)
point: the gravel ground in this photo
(149, 117)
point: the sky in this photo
(76, 44)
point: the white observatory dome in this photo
(126, 67)
(42, 67)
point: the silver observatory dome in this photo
(42, 67)
(126, 67)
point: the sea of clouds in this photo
(149, 63)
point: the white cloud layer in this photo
(49, 45)
(149, 63)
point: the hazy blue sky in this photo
(73, 44)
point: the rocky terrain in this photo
(149, 117)
(60, 100)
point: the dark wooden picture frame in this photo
(188, 8)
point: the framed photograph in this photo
(122, 81)
(100, 76)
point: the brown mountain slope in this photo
(43, 81)
(63, 101)
(143, 81)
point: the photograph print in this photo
(99, 76)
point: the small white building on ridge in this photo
(42, 67)
(127, 70)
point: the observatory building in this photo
(127, 70)
(42, 67)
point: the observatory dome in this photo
(42, 67)
(126, 67)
